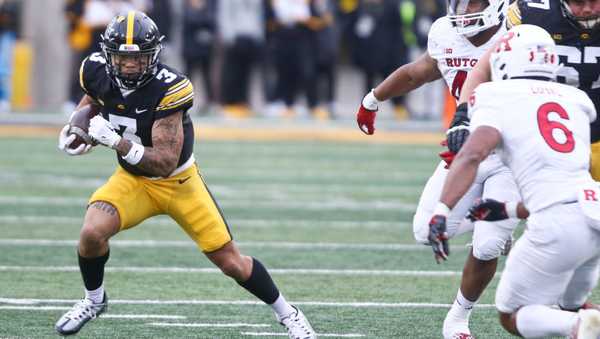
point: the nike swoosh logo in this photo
(181, 181)
(140, 111)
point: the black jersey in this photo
(578, 49)
(134, 113)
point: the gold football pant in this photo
(595, 161)
(184, 197)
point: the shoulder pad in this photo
(91, 67)
(178, 90)
(514, 15)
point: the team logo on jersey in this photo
(121, 106)
(448, 50)
(557, 36)
(460, 62)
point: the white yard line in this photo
(32, 301)
(113, 316)
(345, 272)
(327, 204)
(255, 223)
(215, 325)
(244, 244)
(274, 334)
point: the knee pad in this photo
(488, 248)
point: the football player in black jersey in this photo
(144, 119)
(575, 27)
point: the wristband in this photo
(135, 154)
(370, 102)
(511, 209)
(441, 209)
(462, 110)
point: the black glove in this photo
(438, 237)
(488, 210)
(458, 132)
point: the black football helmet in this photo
(131, 44)
(589, 23)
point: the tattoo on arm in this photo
(167, 141)
(105, 207)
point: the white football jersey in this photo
(455, 55)
(545, 128)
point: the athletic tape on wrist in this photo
(135, 154)
(511, 209)
(441, 209)
(370, 101)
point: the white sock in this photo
(281, 307)
(462, 307)
(534, 321)
(96, 296)
(463, 302)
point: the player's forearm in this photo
(396, 84)
(159, 162)
(460, 177)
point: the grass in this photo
(325, 217)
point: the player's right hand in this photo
(488, 210)
(65, 140)
(366, 113)
(438, 237)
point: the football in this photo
(79, 124)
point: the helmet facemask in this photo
(469, 22)
(129, 66)
(589, 22)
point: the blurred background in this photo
(267, 59)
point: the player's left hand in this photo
(438, 237)
(103, 132)
(64, 143)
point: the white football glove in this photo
(65, 140)
(103, 132)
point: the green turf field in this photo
(331, 221)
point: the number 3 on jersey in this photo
(549, 128)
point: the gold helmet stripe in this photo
(130, 20)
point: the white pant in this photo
(554, 262)
(494, 180)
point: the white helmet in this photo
(524, 51)
(469, 24)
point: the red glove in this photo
(367, 112)
(366, 120)
(448, 157)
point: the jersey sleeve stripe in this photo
(81, 81)
(175, 96)
(177, 87)
(172, 96)
(130, 22)
(514, 16)
(177, 103)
